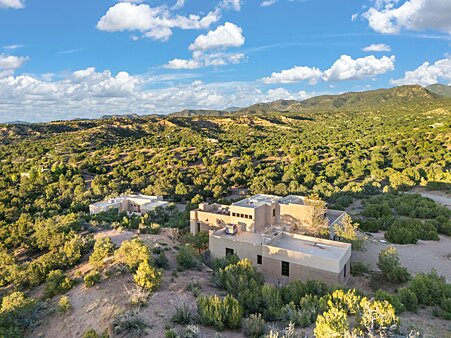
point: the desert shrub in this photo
(195, 287)
(161, 261)
(147, 277)
(368, 316)
(305, 313)
(391, 268)
(271, 302)
(369, 225)
(401, 235)
(243, 282)
(443, 225)
(64, 304)
(222, 262)
(103, 248)
(138, 295)
(170, 334)
(376, 210)
(219, 313)
(129, 325)
(409, 299)
(131, 253)
(187, 257)
(91, 278)
(182, 315)
(17, 312)
(394, 300)
(254, 326)
(359, 268)
(91, 333)
(293, 292)
(430, 288)
(316, 288)
(57, 282)
(408, 231)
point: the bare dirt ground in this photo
(96, 307)
(420, 257)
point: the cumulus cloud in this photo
(11, 62)
(225, 36)
(377, 47)
(345, 68)
(14, 4)
(91, 93)
(200, 59)
(417, 15)
(155, 22)
(295, 74)
(158, 22)
(427, 74)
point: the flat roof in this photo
(244, 236)
(309, 245)
(257, 201)
(140, 199)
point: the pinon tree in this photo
(317, 223)
(348, 232)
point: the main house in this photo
(266, 230)
(132, 204)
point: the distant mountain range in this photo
(347, 101)
(440, 89)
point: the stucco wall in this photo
(295, 214)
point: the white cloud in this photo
(346, 68)
(295, 74)
(225, 36)
(200, 59)
(11, 62)
(13, 47)
(417, 15)
(427, 74)
(377, 47)
(267, 3)
(179, 4)
(354, 17)
(90, 93)
(231, 4)
(14, 4)
(155, 22)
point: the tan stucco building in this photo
(132, 204)
(260, 228)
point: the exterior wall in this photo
(295, 214)
(218, 247)
(273, 268)
(207, 220)
(96, 209)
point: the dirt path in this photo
(440, 197)
(420, 257)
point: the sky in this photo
(62, 59)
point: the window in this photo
(198, 226)
(250, 216)
(273, 212)
(229, 251)
(259, 259)
(345, 271)
(285, 269)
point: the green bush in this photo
(222, 262)
(17, 312)
(182, 315)
(409, 299)
(57, 283)
(91, 333)
(64, 304)
(390, 266)
(359, 268)
(103, 248)
(443, 225)
(131, 253)
(254, 326)
(91, 278)
(271, 302)
(170, 334)
(394, 300)
(430, 288)
(161, 261)
(243, 282)
(220, 314)
(187, 257)
(147, 277)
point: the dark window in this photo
(229, 251)
(259, 259)
(273, 212)
(285, 269)
(250, 216)
(198, 226)
(345, 271)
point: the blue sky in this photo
(68, 59)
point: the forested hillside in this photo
(51, 172)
